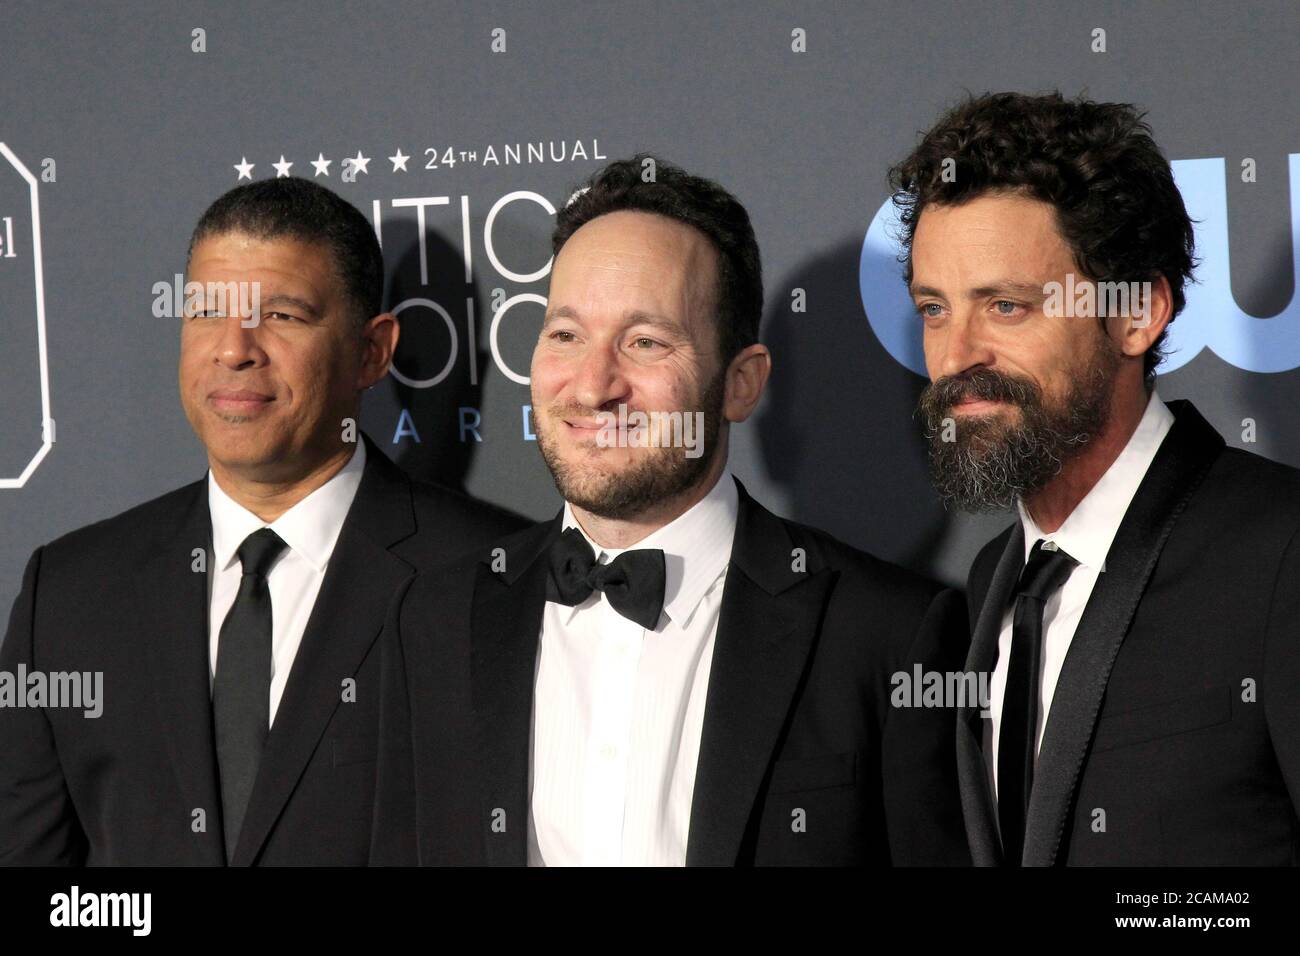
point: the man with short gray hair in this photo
(234, 620)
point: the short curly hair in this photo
(697, 202)
(1116, 202)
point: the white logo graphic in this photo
(13, 251)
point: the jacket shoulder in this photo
(457, 576)
(1255, 479)
(863, 569)
(903, 615)
(456, 512)
(159, 517)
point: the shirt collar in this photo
(696, 546)
(1087, 533)
(310, 528)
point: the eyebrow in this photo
(636, 317)
(563, 312)
(281, 299)
(1006, 286)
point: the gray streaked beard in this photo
(989, 466)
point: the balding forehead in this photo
(658, 250)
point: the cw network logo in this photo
(1211, 319)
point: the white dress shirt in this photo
(310, 529)
(618, 710)
(1086, 536)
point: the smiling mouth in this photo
(584, 427)
(240, 402)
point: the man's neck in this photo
(619, 533)
(269, 499)
(1050, 506)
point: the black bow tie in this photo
(633, 582)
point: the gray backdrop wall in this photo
(127, 130)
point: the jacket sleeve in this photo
(919, 753)
(393, 841)
(1279, 684)
(38, 822)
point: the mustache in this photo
(939, 397)
(577, 410)
(984, 384)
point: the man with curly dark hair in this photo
(1139, 619)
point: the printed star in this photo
(322, 164)
(360, 163)
(244, 168)
(399, 161)
(281, 168)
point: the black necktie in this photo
(1044, 572)
(241, 691)
(633, 582)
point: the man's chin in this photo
(598, 470)
(244, 451)
(594, 495)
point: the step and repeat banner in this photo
(459, 129)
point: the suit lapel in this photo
(1177, 470)
(362, 576)
(506, 622)
(173, 602)
(767, 624)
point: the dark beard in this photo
(989, 465)
(662, 475)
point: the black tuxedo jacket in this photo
(139, 784)
(1174, 732)
(797, 714)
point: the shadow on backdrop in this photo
(440, 455)
(838, 430)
